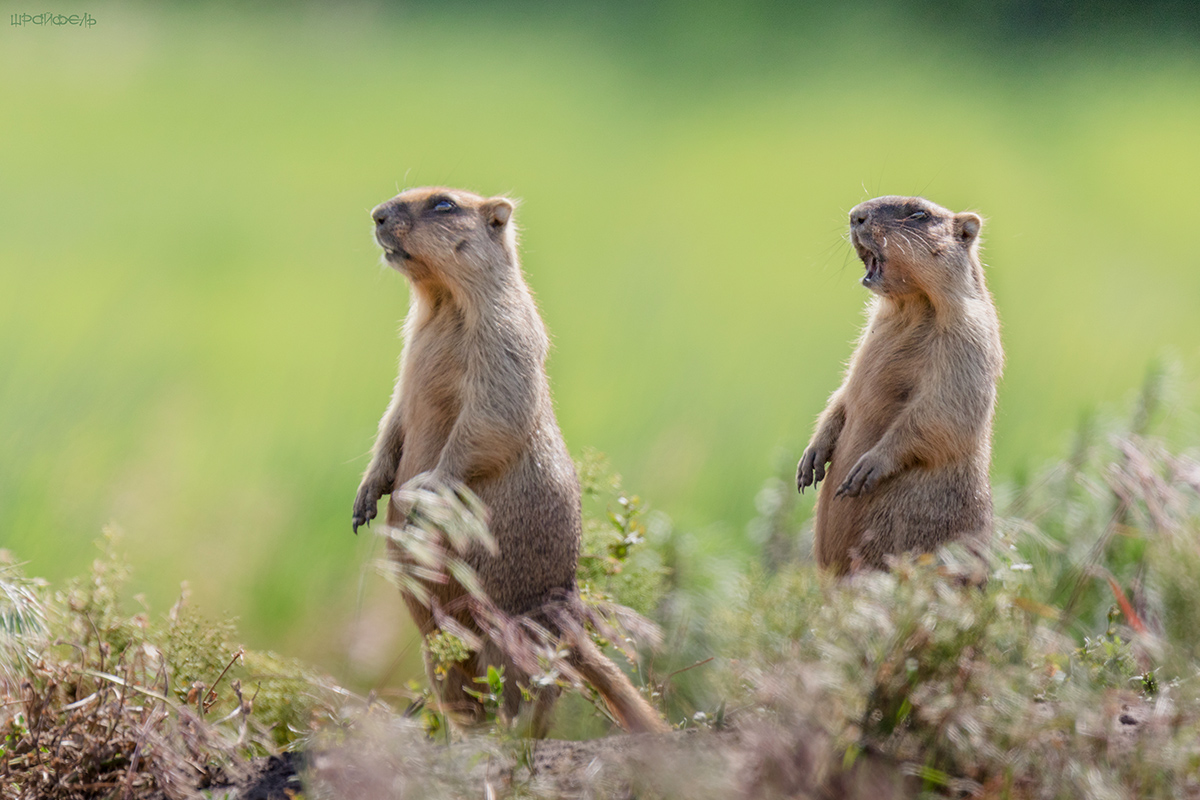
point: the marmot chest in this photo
(433, 385)
(892, 361)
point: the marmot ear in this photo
(498, 211)
(966, 226)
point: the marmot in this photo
(907, 436)
(472, 405)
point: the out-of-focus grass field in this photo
(197, 338)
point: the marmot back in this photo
(472, 405)
(907, 436)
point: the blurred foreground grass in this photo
(196, 339)
(1070, 672)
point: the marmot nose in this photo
(857, 218)
(381, 214)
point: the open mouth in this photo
(874, 265)
(391, 248)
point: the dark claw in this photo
(861, 480)
(804, 471)
(364, 511)
(847, 488)
(811, 469)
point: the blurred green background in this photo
(197, 337)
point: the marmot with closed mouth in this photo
(472, 406)
(907, 436)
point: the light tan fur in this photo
(907, 436)
(472, 405)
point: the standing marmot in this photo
(472, 405)
(907, 436)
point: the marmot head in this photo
(912, 246)
(446, 235)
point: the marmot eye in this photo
(444, 205)
(918, 215)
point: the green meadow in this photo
(197, 337)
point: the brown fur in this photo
(472, 405)
(907, 436)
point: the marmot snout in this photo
(908, 244)
(437, 228)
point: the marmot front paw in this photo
(811, 469)
(864, 476)
(366, 504)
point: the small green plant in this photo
(1109, 660)
(445, 651)
(491, 693)
(615, 565)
